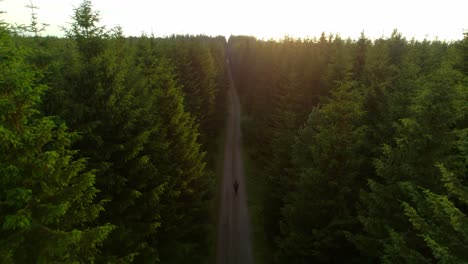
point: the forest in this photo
(104, 144)
(110, 146)
(359, 147)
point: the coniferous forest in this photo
(110, 146)
(104, 144)
(361, 147)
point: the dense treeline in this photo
(103, 144)
(362, 147)
(107, 150)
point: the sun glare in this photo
(261, 18)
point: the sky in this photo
(431, 19)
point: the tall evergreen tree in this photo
(47, 196)
(322, 207)
(105, 101)
(186, 183)
(439, 220)
(422, 139)
(282, 126)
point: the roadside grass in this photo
(255, 197)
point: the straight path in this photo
(234, 243)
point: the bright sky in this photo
(445, 19)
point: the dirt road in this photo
(234, 243)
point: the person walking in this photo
(236, 186)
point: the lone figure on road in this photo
(236, 186)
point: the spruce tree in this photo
(180, 163)
(407, 172)
(281, 132)
(322, 207)
(106, 103)
(47, 196)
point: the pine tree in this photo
(407, 166)
(281, 130)
(47, 196)
(360, 57)
(34, 26)
(442, 224)
(194, 65)
(107, 102)
(322, 207)
(439, 216)
(186, 183)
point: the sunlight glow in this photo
(265, 19)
